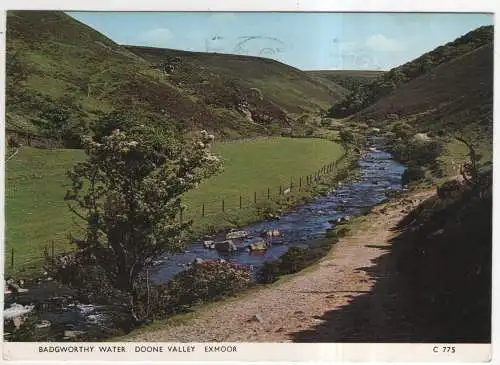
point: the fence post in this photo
(255, 197)
(222, 205)
(240, 202)
(300, 182)
(203, 210)
(280, 189)
(12, 259)
(148, 290)
(291, 183)
(52, 243)
(268, 193)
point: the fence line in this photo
(245, 200)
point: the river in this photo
(378, 175)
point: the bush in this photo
(269, 272)
(202, 283)
(413, 173)
(294, 260)
(82, 273)
(450, 189)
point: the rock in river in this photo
(236, 235)
(259, 245)
(225, 246)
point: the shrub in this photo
(201, 283)
(450, 189)
(294, 260)
(413, 173)
(269, 272)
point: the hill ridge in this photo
(59, 67)
(391, 80)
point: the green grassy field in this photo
(36, 213)
(36, 183)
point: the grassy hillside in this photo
(392, 80)
(61, 75)
(36, 183)
(441, 99)
(350, 80)
(206, 75)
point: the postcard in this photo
(248, 186)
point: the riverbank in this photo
(300, 228)
(296, 303)
(38, 218)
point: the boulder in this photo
(15, 288)
(225, 246)
(18, 321)
(343, 220)
(259, 245)
(43, 324)
(421, 137)
(271, 233)
(256, 318)
(198, 261)
(208, 244)
(236, 235)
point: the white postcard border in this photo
(320, 353)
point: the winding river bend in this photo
(378, 175)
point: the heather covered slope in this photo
(62, 74)
(390, 82)
(216, 77)
(454, 95)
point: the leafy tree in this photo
(128, 194)
(106, 123)
(350, 139)
(347, 138)
(61, 119)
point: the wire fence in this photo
(226, 205)
(250, 199)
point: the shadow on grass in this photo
(432, 285)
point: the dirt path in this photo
(278, 313)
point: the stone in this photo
(43, 324)
(258, 245)
(72, 334)
(198, 261)
(256, 318)
(18, 321)
(236, 235)
(225, 246)
(208, 244)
